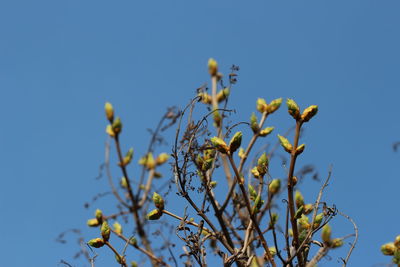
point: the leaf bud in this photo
(308, 208)
(300, 149)
(134, 264)
(117, 228)
(326, 233)
(274, 105)
(293, 108)
(337, 242)
(96, 242)
(220, 145)
(217, 118)
(109, 111)
(128, 157)
(299, 199)
(274, 219)
(258, 202)
(212, 67)
(99, 215)
(309, 112)
(124, 182)
(241, 153)
(299, 212)
(223, 94)
(105, 231)
(205, 98)
(262, 105)
(158, 201)
(285, 143)
(213, 184)
(253, 123)
(93, 222)
(162, 158)
(388, 249)
(252, 192)
(154, 214)
(294, 180)
(266, 131)
(318, 220)
(133, 241)
(109, 130)
(117, 126)
(397, 242)
(120, 259)
(262, 164)
(235, 142)
(255, 172)
(274, 186)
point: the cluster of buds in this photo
(127, 159)
(105, 233)
(328, 241)
(392, 249)
(97, 220)
(159, 203)
(115, 126)
(204, 162)
(223, 148)
(150, 163)
(294, 111)
(274, 186)
(270, 108)
(221, 96)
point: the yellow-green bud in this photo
(272, 251)
(96, 243)
(117, 125)
(117, 228)
(235, 142)
(109, 111)
(253, 123)
(212, 67)
(99, 215)
(206, 164)
(262, 105)
(217, 118)
(205, 98)
(241, 153)
(134, 264)
(220, 145)
(337, 242)
(258, 202)
(209, 154)
(293, 108)
(274, 219)
(223, 94)
(252, 192)
(274, 105)
(309, 112)
(105, 231)
(154, 214)
(148, 161)
(300, 149)
(294, 180)
(93, 222)
(109, 130)
(285, 143)
(303, 222)
(266, 131)
(213, 184)
(133, 241)
(318, 220)
(397, 242)
(255, 172)
(262, 164)
(128, 157)
(299, 199)
(326, 233)
(299, 212)
(158, 201)
(388, 249)
(274, 186)
(162, 158)
(308, 208)
(119, 258)
(124, 182)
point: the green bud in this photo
(119, 258)
(128, 157)
(134, 264)
(220, 145)
(162, 158)
(266, 131)
(337, 242)
(262, 164)
(212, 67)
(309, 112)
(110, 131)
(299, 199)
(388, 249)
(205, 98)
(262, 105)
(96, 243)
(274, 186)
(300, 149)
(124, 182)
(241, 153)
(209, 154)
(93, 222)
(285, 144)
(272, 251)
(213, 184)
(154, 215)
(99, 215)
(258, 202)
(223, 94)
(299, 212)
(274, 219)
(235, 142)
(117, 228)
(326, 233)
(253, 123)
(308, 208)
(274, 105)
(397, 242)
(133, 241)
(207, 164)
(318, 220)
(105, 231)
(303, 222)
(252, 192)
(158, 201)
(302, 235)
(217, 118)
(109, 111)
(255, 172)
(117, 125)
(293, 108)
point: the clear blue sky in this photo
(61, 60)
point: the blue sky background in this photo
(61, 60)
